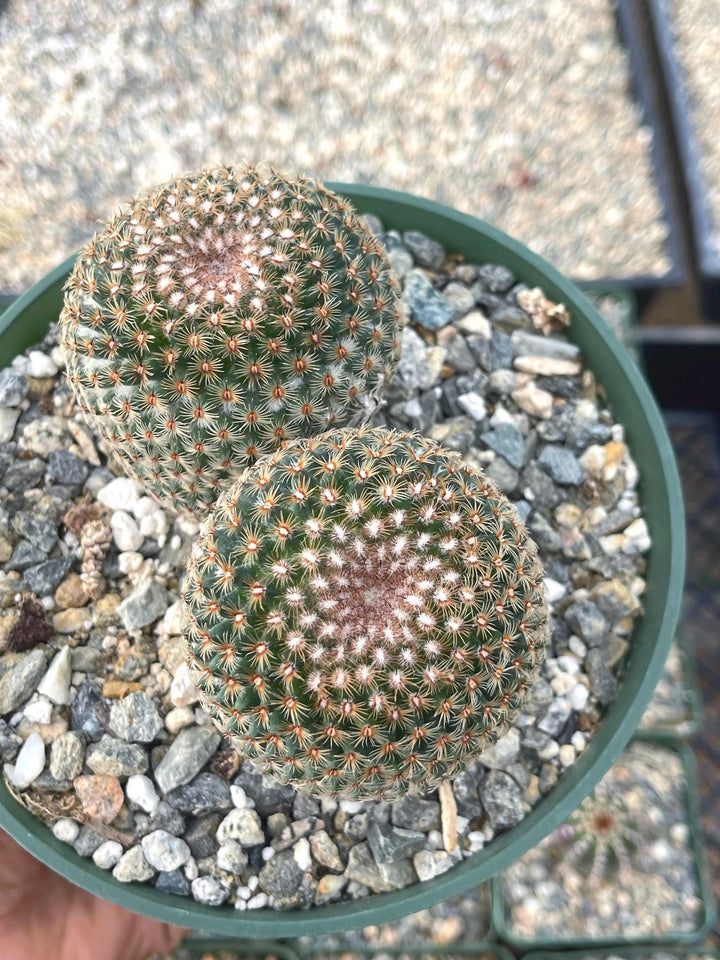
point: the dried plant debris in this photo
(30, 629)
(106, 710)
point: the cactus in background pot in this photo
(221, 315)
(364, 614)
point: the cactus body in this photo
(221, 315)
(364, 614)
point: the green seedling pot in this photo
(27, 320)
(708, 913)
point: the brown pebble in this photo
(117, 689)
(71, 592)
(101, 796)
(48, 732)
(225, 763)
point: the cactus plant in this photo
(222, 314)
(364, 614)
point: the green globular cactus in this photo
(224, 313)
(364, 614)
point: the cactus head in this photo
(222, 314)
(364, 614)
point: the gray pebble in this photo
(65, 467)
(25, 555)
(555, 718)
(413, 813)
(40, 531)
(10, 742)
(432, 863)
(43, 578)
(503, 752)
(501, 473)
(602, 682)
(502, 799)
(495, 277)
(507, 440)
(174, 881)
(459, 297)
(426, 251)
(425, 305)
(362, 868)
(135, 718)
(201, 837)
(389, 843)
(231, 857)
(87, 842)
(562, 465)
(147, 604)
(116, 758)
(21, 680)
(13, 387)
(459, 356)
(585, 618)
(207, 793)
(186, 756)
(90, 711)
(67, 755)
(286, 882)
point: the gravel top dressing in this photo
(696, 27)
(100, 729)
(523, 119)
(621, 866)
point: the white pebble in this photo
(555, 591)
(55, 685)
(473, 405)
(637, 537)
(8, 419)
(567, 755)
(183, 691)
(579, 741)
(141, 790)
(38, 711)
(561, 683)
(577, 647)
(435, 840)
(301, 854)
(578, 696)
(568, 664)
(29, 763)
(191, 870)
(107, 854)
(66, 830)
(179, 718)
(550, 750)
(125, 531)
(253, 883)
(476, 841)
(242, 892)
(258, 901)
(40, 365)
(155, 525)
(240, 799)
(267, 854)
(130, 562)
(122, 493)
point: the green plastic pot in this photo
(708, 913)
(26, 321)
(636, 952)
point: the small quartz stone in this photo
(122, 493)
(135, 718)
(29, 763)
(165, 852)
(231, 857)
(125, 531)
(141, 790)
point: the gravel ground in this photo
(621, 866)
(99, 724)
(696, 25)
(673, 706)
(523, 118)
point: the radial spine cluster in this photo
(364, 614)
(221, 315)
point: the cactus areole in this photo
(364, 613)
(221, 315)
